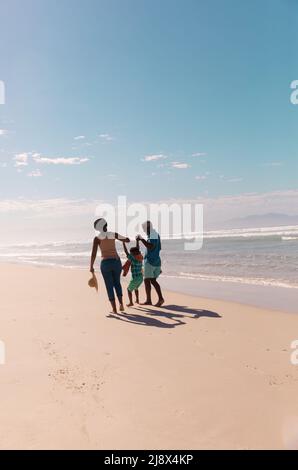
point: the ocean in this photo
(262, 257)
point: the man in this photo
(152, 263)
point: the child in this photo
(135, 259)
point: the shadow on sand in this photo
(174, 313)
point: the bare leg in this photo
(130, 298)
(148, 292)
(159, 293)
(137, 296)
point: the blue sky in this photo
(201, 87)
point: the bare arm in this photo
(94, 253)
(148, 245)
(122, 238)
(125, 249)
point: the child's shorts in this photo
(135, 283)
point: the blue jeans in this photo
(111, 270)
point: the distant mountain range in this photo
(263, 220)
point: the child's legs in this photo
(137, 284)
(133, 287)
(129, 293)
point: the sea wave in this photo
(263, 232)
(235, 279)
(45, 254)
(256, 262)
(279, 232)
(47, 264)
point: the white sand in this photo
(179, 377)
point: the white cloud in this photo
(153, 158)
(35, 173)
(179, 165)
(54, 212)
(201, 177)
(273, 164)
(231, 179)
(199, 154)
(21, 159)
(59, 160)
(112, 177)
(234, 180)
(3, 132)
(44, 220)
(79, 137)
(217, 210)
(106, 137)
(48, 207)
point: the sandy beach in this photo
(196, 374)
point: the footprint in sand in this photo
(70, 376)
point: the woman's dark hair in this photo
(101, 225)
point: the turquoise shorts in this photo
(151, 272)
(135, 283)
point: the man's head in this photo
(147, 227)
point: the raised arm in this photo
(94, 253)
(121, 238)
(147, 244)
(125, 249)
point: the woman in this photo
(111, 266)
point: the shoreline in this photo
(278, 299)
